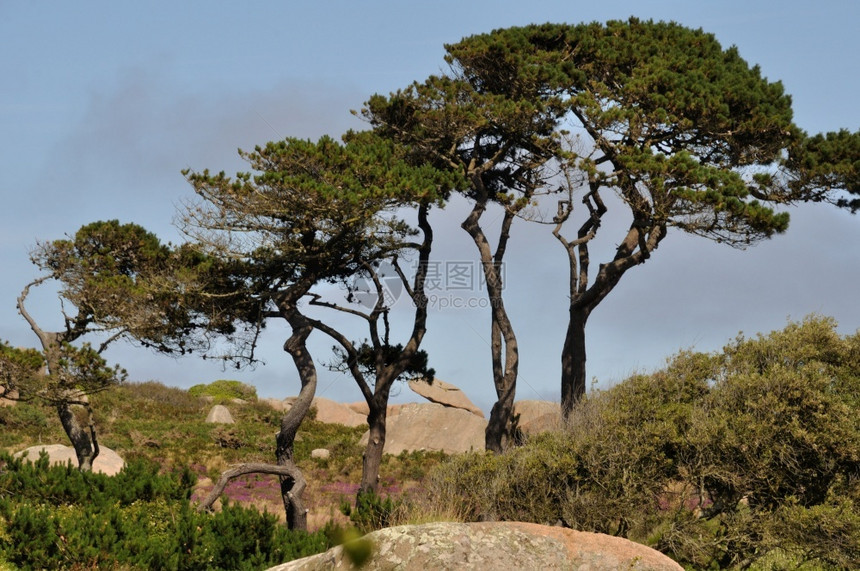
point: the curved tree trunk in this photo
(504, 347)
(243, 469)
(84, 441)
(293, 484)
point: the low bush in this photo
(224, 390)
(60, 518)
(746, 458)
(21, 415)
(372, 511)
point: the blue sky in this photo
(103, 103)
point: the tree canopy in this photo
(315, 212)
(122, 282)
(654, 122)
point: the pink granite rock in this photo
(107, 462)
(445, 394)
(504, 545)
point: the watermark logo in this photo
(364, 292)
(457, 284)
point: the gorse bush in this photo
(58, 517)
(747, 458)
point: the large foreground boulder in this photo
(445, 394)
(508, 545)
(107, 462)
(432, 427)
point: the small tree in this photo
(116, 280)
(491, 121)
(376, 364)
(317, 213)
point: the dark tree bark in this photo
(293, 484)
(386, 372)
(642, 238)
(83, 440)
(573, 371)
(292, 479)
(372, 458)
(504, 347)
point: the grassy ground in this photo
(168, 425)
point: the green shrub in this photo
(22, 415)
(139, 480)
(161, 536)
(749, 457)
(224, 390)
(59, 518)
(371, 511)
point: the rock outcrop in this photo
(450, 546)
(432, 427)
(451, 423)
(220, 415)
(360, 407)
(445, 394)
(10, 401)
(107, 462)
(538, 415)
(276, 404)
(333, 412)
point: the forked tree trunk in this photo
(504, 347)
(499, 423)
(377, 401)
(293, 485)
(636, 248)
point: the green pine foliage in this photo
(59, 517)
(142, 518)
